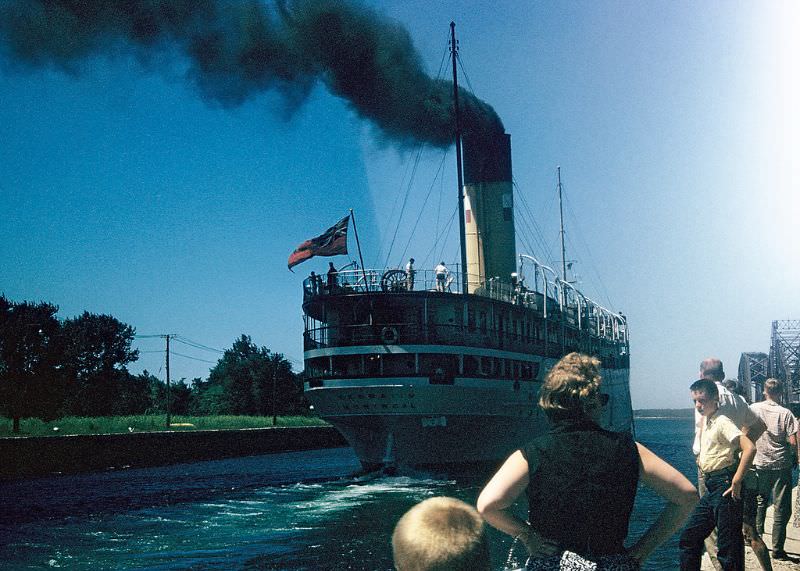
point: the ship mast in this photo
(563, 249)
(461, 223)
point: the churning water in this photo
(292, 511)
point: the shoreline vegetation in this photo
(73, 425)
(664, 413)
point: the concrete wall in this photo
(44, 455)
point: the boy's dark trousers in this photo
(722, 512)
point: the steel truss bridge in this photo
(782, 363)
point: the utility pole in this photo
(167, 336)
(274, 396)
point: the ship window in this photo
(439, 367)
(372, 364)
(482, 321)
(316, 367)
(399, 364)
(487, 366)
(470, 318)
(470, 365)
(347, 365)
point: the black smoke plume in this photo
(237, 49)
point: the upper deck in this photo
(547, 317)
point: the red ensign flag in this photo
(332, 242)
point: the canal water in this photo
(292, 511)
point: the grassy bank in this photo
(147, 423)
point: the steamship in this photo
(416, 370)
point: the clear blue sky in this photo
(675, 123)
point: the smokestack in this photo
(488, 209)
(236, 50)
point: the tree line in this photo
(51, 368)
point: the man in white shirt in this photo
(410, 273)
(442, 273)
(735, 408)
(774, 462)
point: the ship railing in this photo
(390, 280)
(576, 307)
(394, 280)
(548, 294)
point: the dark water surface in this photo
(293, 511)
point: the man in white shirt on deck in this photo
(442, 274)
(774, 462)
(735, 408)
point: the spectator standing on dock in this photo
(333, 277)
(410, 274)
(774, 462)
(736, 409)
(441, 534)
(581, 482)
(441, 272)
(721, 505)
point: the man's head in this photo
(411, 260)
(773, 389)
(705, 396)
(441, 534)
(711, 369)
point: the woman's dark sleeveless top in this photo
(583, 485)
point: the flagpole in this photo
(358, 244)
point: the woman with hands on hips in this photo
(581, 482)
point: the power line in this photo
(193, 358)
(196, 345)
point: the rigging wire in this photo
(408, 187)
(422, 208)
(526, 215)
(398, 194)
(592, 264)
(448, 228)
(405, 203)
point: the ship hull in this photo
(413, 423)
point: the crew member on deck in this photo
(410, 271)
(441, 272)
(333, 277)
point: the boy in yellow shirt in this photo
(721, 506)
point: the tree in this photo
(132, 394)
(250, 380)
(97, 348)
(30, 376)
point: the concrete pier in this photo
(792, 545)
(26, 457)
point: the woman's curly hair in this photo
(572, 387)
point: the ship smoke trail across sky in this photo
(238, 50)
